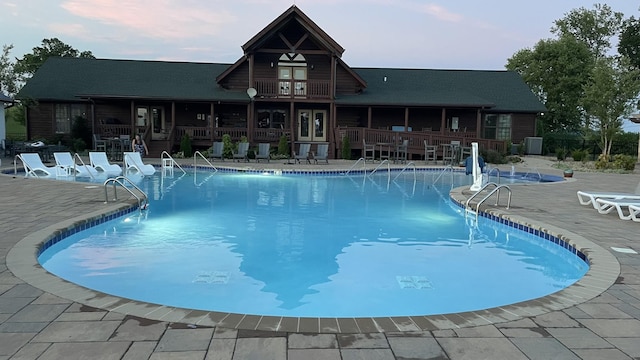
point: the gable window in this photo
(292, 74)
(65, 114)
(497, 126)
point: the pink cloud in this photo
(163, 19)
(441, 13)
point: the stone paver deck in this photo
(68, 323)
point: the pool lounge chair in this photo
(590, 197)
(217, 151)
(101, 163)
(606, 206)
(264, 152)
(634, 211)
(322, 153)
(243, 149)
(133, 161)
(33, 166)
(303, 153)
(66, 165)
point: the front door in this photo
(312, 125)
(153, 115)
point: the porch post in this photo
(132, 120)
(443, 120)
(213, 123)
(406, 119)
(250, 122)
(294, 119)
(479, 124)
(369, 112)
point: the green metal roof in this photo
(499, 90)
(69, 79)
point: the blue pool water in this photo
(312, 246)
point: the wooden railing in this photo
(309, 89)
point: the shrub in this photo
(493, 157)
(602, 162)
(80, 131)
(624, 162)
(227, 150)
(561, 153)
(579, 155)
(346, 148)
(283, 146)
(185, 146)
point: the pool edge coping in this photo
(603, 271)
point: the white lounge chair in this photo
(101, 163)
(133, 161)
(590, 197)
(606, 206)
(67, 166)
(634, 211)
(33, 166)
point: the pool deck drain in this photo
(606, 324)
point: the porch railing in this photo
(309, 89)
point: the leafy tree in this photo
(609, 96)
(556, 71)
(594, 27)
(8, 79)
(30, 63)
(629, 42)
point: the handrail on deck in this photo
(410, 163)
(77, 156)
(496, 191)
(169, 160)
(380, 165)
(198, 153)
(448, 167)
(364, 163)
(143, 201)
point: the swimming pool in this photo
(247, 242)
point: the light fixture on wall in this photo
(272, 64)
(313, 66)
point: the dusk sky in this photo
(463, 34)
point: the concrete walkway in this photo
(35, 324)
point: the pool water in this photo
(312, 246)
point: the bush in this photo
(227, 150)
(624, 162)
(346, 148)
(493, 157)
(80, 131)
(185, 146)
(579, 155)
(561, 153)
(283, 146)
(602, 162)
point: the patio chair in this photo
(217, 151)
(66, 165)
(133, 161)
(322, 153)
(264, 152)
(303, 153)
(243, 149)
(368, 151)
(430, 152)
(401, 151)
(621, 206)
(99, 144)
(100, 162)
(33, 166)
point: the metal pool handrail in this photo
(143, 202)
(203, 158)
(364, 163)
(169, 161)
(405, 168)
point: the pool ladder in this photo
(142, 198)
(496, 191)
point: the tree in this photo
(594, 27)
(8, 79)
(30, 63)
(609, 96)
(629, 44)
(556, 71)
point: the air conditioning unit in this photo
(533, 145)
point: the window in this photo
(65, 114)
(497, 126)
